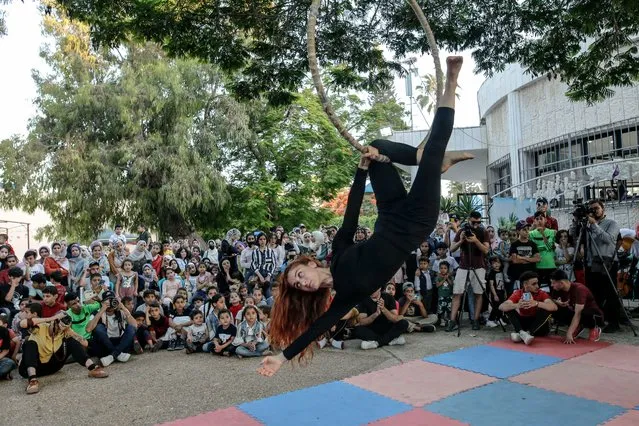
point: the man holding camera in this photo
(600, 241)
(529, 310)
(113, 329)
(471, 240)
(50, 342)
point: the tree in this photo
(455, 188)
(119, 137)
(265, 40)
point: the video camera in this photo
(582, 210)
(468, 230)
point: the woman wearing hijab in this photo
(57, 261)
(228, 248)
(211, 253)
(97, 255)
(140, 256)
(75, 260)
(115, 258)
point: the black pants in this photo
(589, 318)
(31, 357)
(538, 325)
(396, 330)
(496, 314)
(605, 293)
(406, 219)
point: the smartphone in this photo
(526, 297)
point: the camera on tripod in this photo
(582, 210)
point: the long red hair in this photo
(295, 310)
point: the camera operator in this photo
(604, 233)
(47, 348)
(542, 206)
(113, 329)
(471, 240)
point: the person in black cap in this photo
(542, 206)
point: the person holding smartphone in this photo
(529, 310)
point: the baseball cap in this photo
(542, 200)
(108, 295)
(521, 225)
(453, 217)
(408, 285)
(302, 225)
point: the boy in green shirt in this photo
(544, 238)
(80, 314)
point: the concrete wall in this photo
(18, 232)
(497, 132)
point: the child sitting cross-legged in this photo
(224, 336)
(142, 336)
(251, 337)
(158, 326)
(197, 334)
(179, 319)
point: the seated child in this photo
(258, 296)
(197, 333)
(391, 289)
(147, 281)
(251, 337)
(413, 309)
(142, 335)
(179, 319)
(249, 301)
(224, 336)
(149, 297)
(158, 326)
(236, 304)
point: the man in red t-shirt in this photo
(577, 307)
(529, 309)
(542, 206)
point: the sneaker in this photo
(369, 344)
(397, 341)
(595, 334)
(157, 346)
(148, 347)
(491, 324)
(123, 357)
(451, 326)
(411, 327)
(322, 343)
(579, 332)
(98, 373)
(137, 348)
(267, 352)
(515, 337)
(475, 325)
(337, 344)
(172, 345)
(526, 337)
(190, 348)
(428, 328)
(33, 386)
(106, 360)
(179, 344)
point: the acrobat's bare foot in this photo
(453, 66)
(452, 158)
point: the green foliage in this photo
(447, 205)
(508, 222)
(466, 204)
(264, 40)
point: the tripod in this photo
(468, 286)
(584, 231)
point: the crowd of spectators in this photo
(104, 302)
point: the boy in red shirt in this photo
(50, 304)
(529, 309)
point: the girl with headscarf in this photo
(320, 247)
(140, 256)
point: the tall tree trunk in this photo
(311, 32)
(434, 50)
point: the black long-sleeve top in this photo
(351, 281)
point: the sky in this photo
(20, 49)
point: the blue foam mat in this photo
(493, 361)
(335, 403)
(508, 403)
